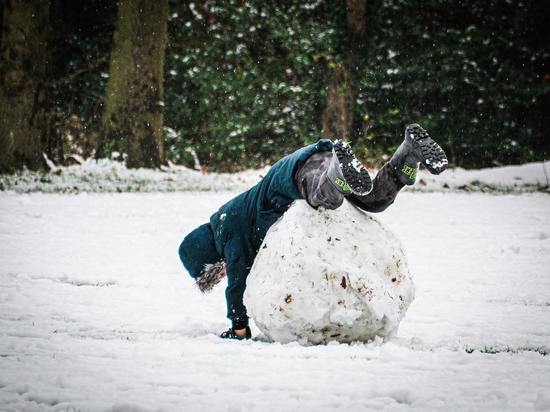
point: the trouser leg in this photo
(385, 187)
(314, 185)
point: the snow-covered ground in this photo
(96, 313)
(110, 176)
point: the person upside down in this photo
(324, 174)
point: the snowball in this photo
(324, 275)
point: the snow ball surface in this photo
(328, 275)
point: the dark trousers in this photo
(318, 191)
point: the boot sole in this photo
(356, 175)
(433, 156)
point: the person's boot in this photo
(418, 147)
(230, 334)
(347, 173)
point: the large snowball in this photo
(325, 275)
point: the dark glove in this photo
(230, 334)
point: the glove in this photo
(230, 334)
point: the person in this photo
(324, 174)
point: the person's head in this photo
(198, 250)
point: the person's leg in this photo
(316, 188)
(348, 171)
(312, 182)
(417, 147)
(385, 187)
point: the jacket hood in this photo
(198, 249)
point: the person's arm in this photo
(237, 271)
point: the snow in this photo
(522, 178)
(110, 176)
(97, 314)
(328, 275)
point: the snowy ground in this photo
(97, 314)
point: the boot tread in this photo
(356, 175)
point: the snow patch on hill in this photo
(528, 177)
(110, 176)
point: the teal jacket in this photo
(239, 226)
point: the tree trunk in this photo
(356, 13)
(24, 62)
(133, 116)
(338, 113)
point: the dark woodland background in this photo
(242, 82)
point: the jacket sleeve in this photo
(238, 268)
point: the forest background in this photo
(235, 84)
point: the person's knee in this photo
(327, 196)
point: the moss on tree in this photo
(133, 117)
(24, 60)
